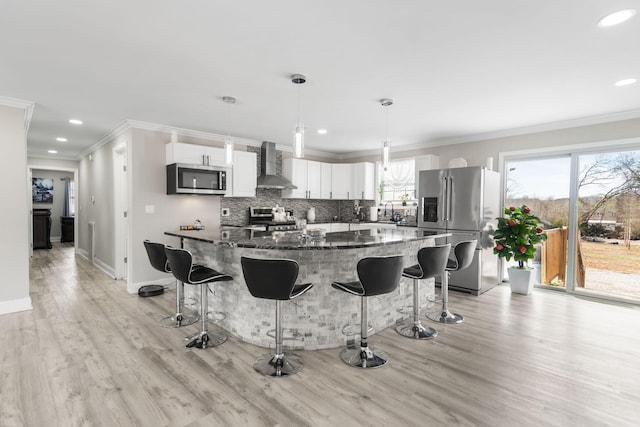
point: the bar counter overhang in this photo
(316, 319)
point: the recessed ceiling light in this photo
(616, 18)
(60, 139)
(322, 131)
(625, 82)
(75, 121)
(53, 152)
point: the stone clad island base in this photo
(315, 320)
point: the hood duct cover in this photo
(268, 177)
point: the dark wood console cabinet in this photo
(42, 229)
(66, 228)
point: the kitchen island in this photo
(315, 320)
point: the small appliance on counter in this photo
(373, 214)
(271, 218)
(311, 215)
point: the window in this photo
(398, 182)
(72, 198)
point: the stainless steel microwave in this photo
(196, 179)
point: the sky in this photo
(544, 179)
(549, 178)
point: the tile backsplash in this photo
(326, 210)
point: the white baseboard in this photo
(15, 305)
(84, 254)
(109, 271)
(104, 267)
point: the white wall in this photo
(14, 226)
(147, 186)
(148, 175)
(95, 204)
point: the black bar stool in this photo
(275, 279)
(181, 264)
(158, 260)
(463, 252)
(431, 263)
(377, 275)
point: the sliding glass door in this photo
(608, 221)
(543, 185)
(589, 203)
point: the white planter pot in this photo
(521, 280)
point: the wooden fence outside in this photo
(553, 258)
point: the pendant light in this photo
(298, 132)
(228, 141)
(386, 144)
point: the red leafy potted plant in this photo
(517, 234)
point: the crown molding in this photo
(119, 130)
(210, 136)
(545, 127)
(27, 106)
(125, 125)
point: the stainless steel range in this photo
(271, 218)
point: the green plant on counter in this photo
(381, 190)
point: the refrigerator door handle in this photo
(445, 199)
(449, 199)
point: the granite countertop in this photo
(296, 240)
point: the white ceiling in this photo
(455, 69)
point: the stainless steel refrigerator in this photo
(464, 202)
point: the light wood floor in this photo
(90, 354)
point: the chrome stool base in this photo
(177, 321)
(363, 357)
(445, 316)
(416, 331)
(272, 365)
(204, 340)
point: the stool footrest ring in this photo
(349, 331)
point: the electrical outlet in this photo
(224, 212)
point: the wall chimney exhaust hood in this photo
(268, 177)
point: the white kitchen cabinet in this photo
(295, 170)
(341, 176)
(314, 179)
(304, 174)
(325, 180)
(193, 154)
(363, 181)
(244, 175)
